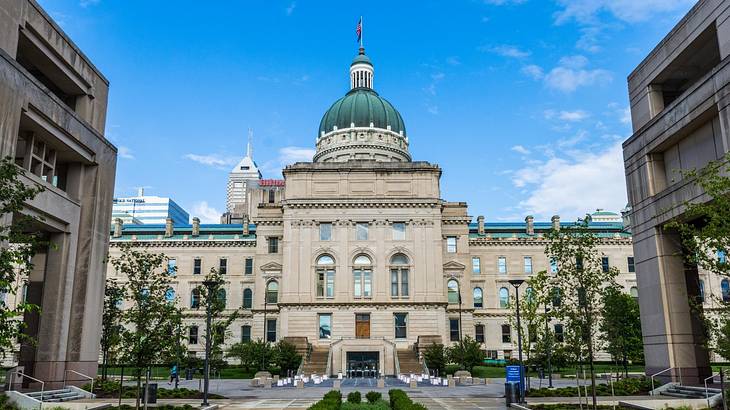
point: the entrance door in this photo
(363, 364)
(362, 325)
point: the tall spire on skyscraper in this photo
(249, 147)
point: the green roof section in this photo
(362, 107)
(184, 232)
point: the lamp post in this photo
(210, 285)
(459, 290)
(548, 347)
(265, 338)
(516, 284)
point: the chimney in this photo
(118, 228)
(530, 225)
(556, 222)
(480, 221)
(168, 228)
(196, 226)
(245, 224)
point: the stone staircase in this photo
(689, 392)
(60, 395)
(317, 363)
(408, 361)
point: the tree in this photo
(287, 358)
(111, 322)
(19, 242)
(435, 357)
(621, 327)
(251, 355)
(582, 279)
(466, 353)
(151, 315)
(215, 300)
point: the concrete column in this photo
(672, 331)
(169, 230)
(196, 227)
(556, 222)
(480, 221)
(530, 225)
(118, 227)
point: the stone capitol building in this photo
(357, 255)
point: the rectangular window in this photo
(479, 333)
(362, 231)
(506, 334)
(273, 244)
(394, 282)
(559, 333)
(502, 264)
(171, 267)
(492, 355)
(357, 275)
(404, 282)
(721, 256)
(476, 265)
(197, 266)
(399, 231)
(367, 284)
(579, 262)
(396, 285)
(553, 265)
(400, 325)
(451, 244)
(454, 330)
(245, 333)
(325, 326)
(632, 268)
(223, 266)
(604, 264)
(271, 196)
(248, 268)
(271, 330)
(325, 232)
(193, 335)
(325, 283)
(528, 264)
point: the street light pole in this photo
(210, 286)
(549, 348)
(516, 284)
(459, 289)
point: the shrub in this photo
(435, 357)
(378, 405)
(399, 400)
(354, 397)
(467, 353)
(452, 368)
(373, 396)
(287, 358)
(330, 401)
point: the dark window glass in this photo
(479, 333)
(506, 334)
(193, 335)
(273, 245)
(400, 325)
(249, 266)
(246, 333)
(223, 266)
(271, 196)
(604, 264)
(195, 299)
(454, 330)
(271, 330)
(559, 333)
(197, 266)
(247, 298)
(632, 268)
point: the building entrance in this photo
(363, 364)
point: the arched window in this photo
(503, 298)
(529, 295)
(363, 276)
(195, 298)
(478, 298)
(222, 297)
(453, 291)
(247, 298)
(399, 275)
(325, 276)
(725, 287)
(170, 295)
(702, 291)
(272, 292)
(634, 292)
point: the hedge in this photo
(399, 400)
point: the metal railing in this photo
(664, 371)
(87, 377)
(707, 390)
(22, 375)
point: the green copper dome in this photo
(362, 106)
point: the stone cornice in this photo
(361, 203)
(491, 242)
(169, 243)
(394, 304)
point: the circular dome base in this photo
(362, 143)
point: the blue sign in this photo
(513, 373)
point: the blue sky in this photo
(523, 103)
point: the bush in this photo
(354, 397)
(287, 358)
(399, 400)
(373, 396)
(378, 405)
(452, 368)
(330, 401)
(624, 387)
(435, 357)
(467, 353)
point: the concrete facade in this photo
(680, 120)
(52, 115)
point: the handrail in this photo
(80, 374)
(21, 374)
(707, 392)
(664, 371)
(396, 361)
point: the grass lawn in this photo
(163, 373)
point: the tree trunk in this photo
(139, 386)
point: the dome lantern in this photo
(361, 71)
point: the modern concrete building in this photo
(52, 114)
(678, 97)
(148, 209)
(357, 254)
(242, 176)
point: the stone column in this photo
(672, 331)
(480, 221)
(196, 227)
(530, 225)
(556, 222)
(169, 230)
(118, 223)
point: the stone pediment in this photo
(454, 265)
(271, 266)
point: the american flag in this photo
(358, 30)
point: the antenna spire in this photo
(249, 147)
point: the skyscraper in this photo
(239, 180)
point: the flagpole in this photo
(361, 33)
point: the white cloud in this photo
(87, 3)
(506, 50)
(570, 116)
(625, 115)
(631, 11)
(533, 71)
(503, 2)
(290, 9)
(290, 155)
(206, 213)
(573, 186)
(570, 74)
(125, 152)
(213, 160)
(520, 149)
